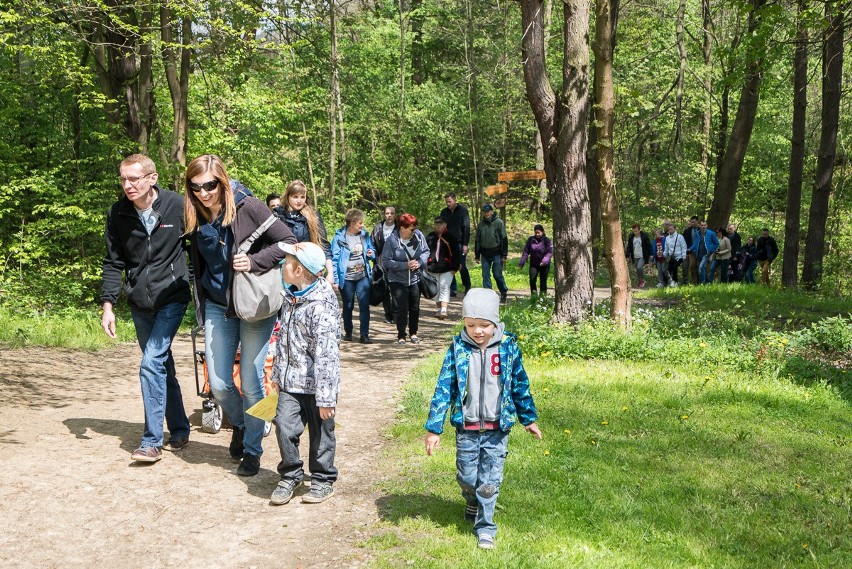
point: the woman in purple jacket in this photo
(539, 250)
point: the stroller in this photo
(211, 412)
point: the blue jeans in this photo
(479, 472)
(748, 277)
(222, 336)
(719, 263)
(493, 264)
(161, 396)
(361, 289)
(702, 270)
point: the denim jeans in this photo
(702, 270)
(295, 410)
(222, 336)
(663, 272)
(361, 289)
(748, 277)
(640, 268)
(463, 272)
(724, 263)
(479, 472)
(493, 263)
(161, 396)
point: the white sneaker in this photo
(660, 285)
(673, 284)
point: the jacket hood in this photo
(240, 191)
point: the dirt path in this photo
(71, 497)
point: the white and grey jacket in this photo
(307, 354)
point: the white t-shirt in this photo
(637, 247)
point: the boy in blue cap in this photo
(307, 371)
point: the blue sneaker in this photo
(486, 541)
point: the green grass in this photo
(68, 328)
(651, 461)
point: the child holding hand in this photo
(484, 387)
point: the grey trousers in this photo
(295, 410)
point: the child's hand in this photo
(533, 429)
(432, 441)
(327, 413)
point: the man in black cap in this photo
(492, 247)
(458, 225)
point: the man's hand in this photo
(464, 249)
(504, 259)
(326, 413)
(413, 265)
(108, 320)
(432, 441)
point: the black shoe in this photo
(175, 444)
(503, 297)
(348, 337)
(389, 320)
(249, 466)
(454, 293)
(236, 446)
(365, 340)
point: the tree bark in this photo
(832, 78)
(728, 175)
(473, 95)
(790, 268)
(177, 77)
(707, 114)
(562, 121)
(332, 111)
(603, 47)
(677, 143)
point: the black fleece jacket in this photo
(154, 266)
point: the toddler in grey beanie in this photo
(482, 303)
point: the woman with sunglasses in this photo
(220, 214)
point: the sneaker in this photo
(146, 454)
(415, 340)
(401, 341)
(503, 297)
(174, 444)
(660, 285)
(283, 493)
(673, 284)
(486, 541)
(318, 493)
(236, 446)
(389, 320)
(438, 313)
(470, 511)
(454, 293)
(442, 314)
(348, 337)
(365, 340)
(249, 466)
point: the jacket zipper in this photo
(482, 390)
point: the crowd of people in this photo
(228, 233)
(698, 254)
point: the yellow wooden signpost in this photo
(498, 192)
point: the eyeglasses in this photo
(133, 179)
(206, 186)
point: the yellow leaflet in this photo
(265, 408)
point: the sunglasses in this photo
(206, 186)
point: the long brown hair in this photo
(298, 187)
(192, 205)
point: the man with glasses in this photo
(145, 244)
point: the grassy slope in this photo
(644, 464)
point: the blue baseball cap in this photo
(310, 255)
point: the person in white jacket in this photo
(675, 251)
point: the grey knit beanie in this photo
(481, 303)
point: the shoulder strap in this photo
(246, 245)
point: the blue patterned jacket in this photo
(451, 389)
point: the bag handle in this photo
(246, 245)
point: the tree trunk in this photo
(146, 78)
(543, 190)
(418, 71)
(790, 269)
(832, 78)
(178, 81)
(473, 94)
(677, 143)
(728, 175)
(610, 217)
(562, 122)
(332, 111)
(707, 114)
